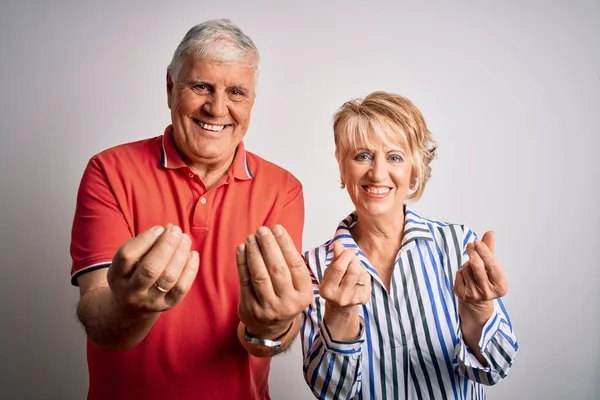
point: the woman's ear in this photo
(414, 180)
(337, 157)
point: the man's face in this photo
(210, 109)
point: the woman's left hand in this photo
(481, 279)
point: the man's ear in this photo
(169, 89)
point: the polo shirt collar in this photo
(171, 159)
(416, 229)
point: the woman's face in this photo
(377, 179)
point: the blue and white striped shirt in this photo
(410, 346)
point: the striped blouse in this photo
(410, 345)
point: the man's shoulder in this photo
(261, 168)
(131, 152)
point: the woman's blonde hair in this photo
(392, 119)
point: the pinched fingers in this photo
(246, 288)
(172, 271)
(465, 286)
(259, 274)
(476, 270)
(352, 276)
(152, 265)
(131, 252)
(354, 286)
(492, 266)
(298, 270)
(186, 278)
(275, 261)
(334, 273)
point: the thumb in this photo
(489, 239)
(338, 249)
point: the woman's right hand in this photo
(345, 286)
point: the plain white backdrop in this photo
(511, 92)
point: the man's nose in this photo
(217, 105)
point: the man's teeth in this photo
(377, 190)
(214, 128)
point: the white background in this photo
(511, 92)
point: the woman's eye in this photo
(362, 156)
(396, 158)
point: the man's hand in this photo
(275, 284)
(153, 271)
(345, 286)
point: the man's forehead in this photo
(230, 72)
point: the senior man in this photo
(168, 310)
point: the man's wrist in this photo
(258, 348)
(272, 333)
(274, 343)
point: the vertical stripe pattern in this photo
(410, 346)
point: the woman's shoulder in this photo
(439, 229)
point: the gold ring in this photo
(161, 289)
(360, 283)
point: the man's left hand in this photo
(275, 284)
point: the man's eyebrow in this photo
(196, 81)
(239, 86)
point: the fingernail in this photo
(158, 230)
(185, 238)
(175, 230)
(195, 255)
(241, 248)
(263, 230)
(251, 239)
(277, 230)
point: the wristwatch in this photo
(271, 344)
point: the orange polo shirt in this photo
(192, 351)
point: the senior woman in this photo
(405, 307)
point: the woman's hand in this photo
(477, 284)
(345, 286)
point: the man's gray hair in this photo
(218, 40)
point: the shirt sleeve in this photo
(498, 343)
(332, 369)
(99, 226)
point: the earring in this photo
(342, 185)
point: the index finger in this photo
(492, 266)
(299, 271)
(489, 238)
(134, 249)
(246, 289)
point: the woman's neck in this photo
(380, 239)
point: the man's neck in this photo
(211, 174)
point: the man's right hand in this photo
(153, 271)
